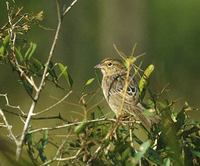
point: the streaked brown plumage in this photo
(113, 84)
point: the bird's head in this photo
(110, 67)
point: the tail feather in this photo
(147, 121)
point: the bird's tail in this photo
(147, 120)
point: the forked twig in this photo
(42, 82)
(9, 127)
(10, 105)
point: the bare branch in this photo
(19, 147)
(9, 128)
(71, 157)
(11, 106)
(72, 124)
(68, 8)
(42, 82)
(51, 50)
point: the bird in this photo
(122, 101)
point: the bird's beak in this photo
(97, 66)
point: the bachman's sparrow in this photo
(114, 79)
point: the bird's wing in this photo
(118, 85)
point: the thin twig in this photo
(72, 124)
(71, 157)
(54, 105)
(64, 159)
(10, 105)
(37, 118)
(119, 53)
(95, 105)
(57, 153)
(69, 8)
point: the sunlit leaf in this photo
(129, 61)
(166, 162)
(2, 50)
(4, 45)
(63, 70)
(80, 128)
(39, 16)
(143, 81)
(45, 137)
(6, 41)
(89, 81)
(65, 73)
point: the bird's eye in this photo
(110, 64)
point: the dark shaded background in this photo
(168, 31)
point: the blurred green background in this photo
(167, 31)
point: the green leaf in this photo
(154, 156)
(126, 153)
(40, 149)
(142, 150)
(2, 51)
(166, 162)
(70, 80)
(80, 128)
(182, 115)
(52, 71)
(37, 64)
(89, 81)
(18, 54)
(28, 139)
(4, 46)
(6, 41)
(30, 51)
(150, 103)
(65, 73)
(196, 153)
(63, 70)
(45, 139)
(41, 146)
(129, 61)
(145, 77)
(45, 135)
